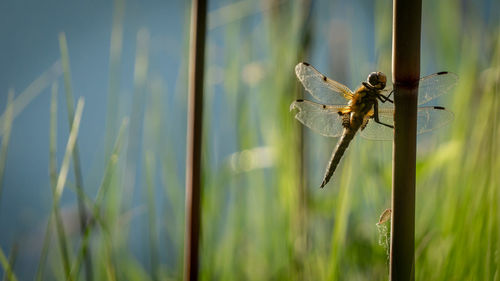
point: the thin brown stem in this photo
(406, 72)
(194, 139)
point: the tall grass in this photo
(258, 222)
(76, 154)
(7, 126)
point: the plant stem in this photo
(76, 154)
(406, 72)
(7, 126)
(194, 139)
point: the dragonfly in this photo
(369, 109)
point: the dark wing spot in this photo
(439, 107)
(324, 78)
(340, 113)
(305, 63)
(442, 72)
(324, 106)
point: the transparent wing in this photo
(432, 86)
(375, 131)
(321, 87)
(323, 119)
(435, 85)
(428, 118)
(432, 117)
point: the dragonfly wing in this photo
(435, 85)
(323, 119)
(428, 118)
(375, 131)
(432, 117)
(432, 86)
(321, 87)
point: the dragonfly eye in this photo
(377, 80)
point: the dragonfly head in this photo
(377, 80)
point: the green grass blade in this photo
(76, 155)
(6, 265)
(112, 163)
(96, 210)
(7, 126)
(32, 91)
(61, 235)
(114, 74)
(63, 173)
(45, 250)
(12, 261)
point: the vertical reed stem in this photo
(406, 72)
(194, 137)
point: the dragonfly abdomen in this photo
(341, 147)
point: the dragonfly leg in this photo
(390, 94)
(375, 116)
(383, 98)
